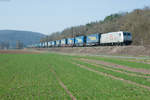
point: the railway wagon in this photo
(49, 43)
(116, 38)
(40, 45)
(63, 42)
(45, 44)
(53, 43)
(70, 41)
(80, 41)
(58, 43)
(93, 39)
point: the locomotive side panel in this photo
(112, 37)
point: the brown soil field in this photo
(107, 67)
(18, 52)
(140, 70)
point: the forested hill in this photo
(26, 37)
(137, 22)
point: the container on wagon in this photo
(49, 44)
(40, 44)
(70, 41)
(93, 39)
(53, 43)
(63, 42)
(58, 43)
(45, 44)
(80, 40)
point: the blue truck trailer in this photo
(93, 39)
(53, 43)
(50, 43)
(70, 41)
(43, 44)
(64, 42)
(58, 43)
(80, 41)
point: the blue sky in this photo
(47, 16)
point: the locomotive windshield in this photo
(129, 34)
(126, 33)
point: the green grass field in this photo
(31, 77)
(121, 61)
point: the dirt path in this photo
(144, 62)
(113, 77)
(140, 70)
(108, 68)
(63, 85)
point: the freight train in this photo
(105, 39)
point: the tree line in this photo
(137, 22)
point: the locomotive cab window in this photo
(124, 33)
(129, 34)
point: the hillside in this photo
(137, 22)
(26, 37)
